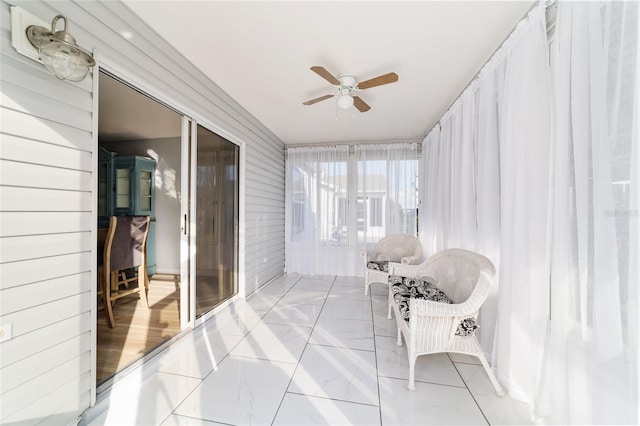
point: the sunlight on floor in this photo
(305, 351)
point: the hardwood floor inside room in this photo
(137, 330)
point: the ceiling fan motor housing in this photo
(347, 81)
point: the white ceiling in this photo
(128, 115)
(260, 54)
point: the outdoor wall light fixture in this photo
(59, 52)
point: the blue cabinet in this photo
(133, 185)
(126, 188)
(105, 187)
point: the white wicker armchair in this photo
(466, 278)
(403, 248)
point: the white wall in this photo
(166, 152)
(48, 154)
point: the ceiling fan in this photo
(347, 86)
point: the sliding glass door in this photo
(192, 195)
(215, 192)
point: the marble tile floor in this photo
(303, 350)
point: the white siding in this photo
(47, 157)
(45, 239)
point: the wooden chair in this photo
(124, 268)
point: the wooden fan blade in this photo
(326, 75)
(391, 77)
(321, 98)
(360, 104)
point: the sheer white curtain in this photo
(525, 136)
(460, 183)
(460, 177)
(317, 194)
(340, 200)
(387, 179)
(556, 208)
(488, 213)
(430, 194)
(593, 357)
(486, 188)
(443, 173)
(489, 93)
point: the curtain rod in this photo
(548, 4)
(351, 143)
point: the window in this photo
(380, 179)
(387, 178)
(317, 189)
(297, 203)
(344, 199)
(361, 214)
(375, 211)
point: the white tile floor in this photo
(304, 351)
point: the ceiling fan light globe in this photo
(345, 101)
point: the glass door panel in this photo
(145, 190)
(187, 237)
(216, 221)
(122, 188)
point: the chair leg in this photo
(412, 372)
(147, 283)
(109, 277)
(142, 286)
(100, 285)
(492, 377)
(399, 339)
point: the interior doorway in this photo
(139, 173)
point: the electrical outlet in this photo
(6, 332)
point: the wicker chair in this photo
(403, 248)
(431, 326)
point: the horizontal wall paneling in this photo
(41, 339)
(35, 399)
(36, 199)
(13, 173)
(29, 127)
(33, 223)
(35, 152)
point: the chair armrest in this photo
(405, 270)
(369, 256)
(409, 260)
(429, 308)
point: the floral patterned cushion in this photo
(378, 265)
(403, 289)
